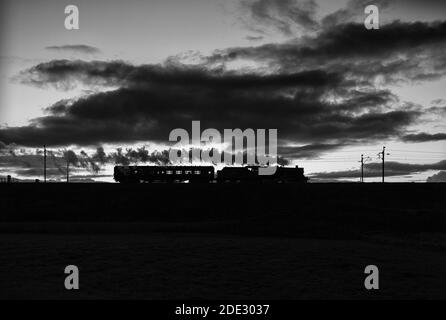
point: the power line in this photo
(354, 151)
(427, 160)
(419, 151)
(399, 150)
(313, 160)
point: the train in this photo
(206, 174)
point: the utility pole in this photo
(363, 161)
(362, 168)
(382, 154)
(44, 163)
(384, 150)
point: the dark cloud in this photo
(438, 177)
(65, 74)
(285, 16)
(398, 51)
(318, 91)
(149, 114)
(353, 12)
(437, 102)
(405, 168)
(423, 137)
(75, 48)
(305, 106)
(254, 38)
(307, 151)
(371, 170)
(291, 17)
(8, 149)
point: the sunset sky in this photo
(135, 70)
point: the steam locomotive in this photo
(205, 174)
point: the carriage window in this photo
(188, 172)
(169, 172)
(197, 172)
(178, 172)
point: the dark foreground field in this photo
(223, 241)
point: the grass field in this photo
(223, 242)
(181, 266)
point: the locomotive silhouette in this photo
(206, 174)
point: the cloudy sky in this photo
(111, 92)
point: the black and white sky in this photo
(111, 92)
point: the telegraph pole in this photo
(363, 161)
(383, 154)
(362, 168)
(44, 163)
